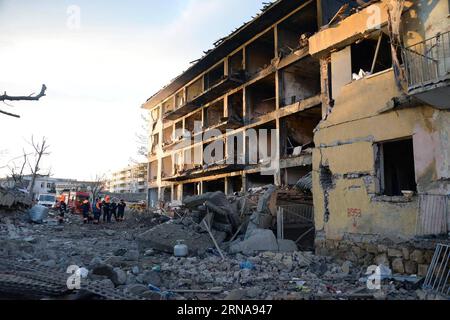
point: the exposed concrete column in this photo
(325, 85)
(227, 185)
(244, 133)
(244, 182)
(275, 33)
(244, 58)
(226, 67)
(225, 106)
(276, 157)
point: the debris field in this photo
(136, 258)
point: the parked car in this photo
(47, 200)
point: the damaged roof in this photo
(270, 14)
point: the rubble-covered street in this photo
(112, 255)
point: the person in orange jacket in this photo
(62, 209)
(97, 210)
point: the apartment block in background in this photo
(132, 179)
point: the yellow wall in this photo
(345, 142)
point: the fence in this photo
(427, 62)
(438, 276)
(298, 213)
(432, 215)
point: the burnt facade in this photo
(258, 84)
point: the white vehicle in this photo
(47, 200)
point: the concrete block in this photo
(371, 248)
(417, 256)
(428, 256)
(405, 252)
(395, 253)
(382, 259)
(358, 251)
(398, 266)
(410, 267)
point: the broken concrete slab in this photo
(165, 236)
(119, 277)
(103, 269)
(268, 201)
(258, 240)
(10, 198)
(258, 220)
(218, 198)
(136, 289)
(285, 245)
(237, 294)
(149, 277)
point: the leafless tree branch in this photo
(5, 97)
(10, 114)
(31, 97)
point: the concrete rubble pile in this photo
(239, 224)
(14, 199)
(126, 259)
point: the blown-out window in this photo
(396, 167)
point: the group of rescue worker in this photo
(99, 207)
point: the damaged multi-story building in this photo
(381, 166)
(356, 92)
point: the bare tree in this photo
(97, 186)
(40, 150)
(142, 140)
(17, 172)
(5, 97)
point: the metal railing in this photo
(432, 215)
(428, 62)
(303, 213)
(438, 276)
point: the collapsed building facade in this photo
(355, 92)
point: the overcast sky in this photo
(98, 72)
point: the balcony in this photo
(225, 84)
(427, 66)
